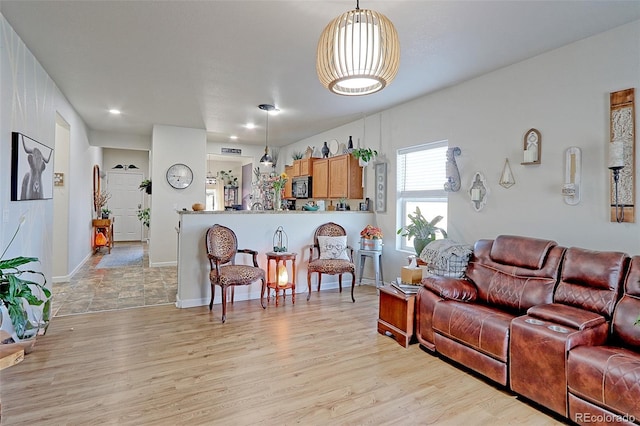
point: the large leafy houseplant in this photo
(422, 231)
(20, 295)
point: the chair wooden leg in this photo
(319, 280)
(233, 294)
(213, 292)
(224, 304)
(308, 285)
(264, 286)
(353, 284)
(340, 282)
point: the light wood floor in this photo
(318, 362)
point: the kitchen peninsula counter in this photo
(255, 230)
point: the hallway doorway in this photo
(125, 199)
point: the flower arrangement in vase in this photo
(278, 182)
(371, 238)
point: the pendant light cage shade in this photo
(358, 53)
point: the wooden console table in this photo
(106, 227)
(396, 314)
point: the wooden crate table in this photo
(275, 284)
(396, 314)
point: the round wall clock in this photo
(179, 176)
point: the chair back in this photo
(515, 272)
(221, 243)
(624, 330)
(592, 280)
(328, 229)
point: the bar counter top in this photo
(268, 211)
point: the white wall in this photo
(29, 102)
(172, 145)
(565, 95)
(119, 140)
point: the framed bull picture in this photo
(31, 169)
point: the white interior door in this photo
(125, 198)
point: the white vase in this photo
(7, 331)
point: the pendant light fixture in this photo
(266, 158)
(358, 53)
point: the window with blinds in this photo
(421, 174)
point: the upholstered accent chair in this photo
(222, 247)
(330, 255)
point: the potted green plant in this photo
(364, 155)
(105, 212)
(297, 155)
(24, 304)
(144, 215)
(146, 186)
(422, 231)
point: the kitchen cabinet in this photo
(337, 177)
(320, 173)
(288, 193)
(345, 177)
(302, 167)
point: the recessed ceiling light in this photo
(233, 137)
(115, 111)
(250, 126)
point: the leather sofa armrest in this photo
(451, 288)
(568, 316)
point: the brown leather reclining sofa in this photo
(554, 325)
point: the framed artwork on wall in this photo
(381, 187)
(31, 169)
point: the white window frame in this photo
(433, 195)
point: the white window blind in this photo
(422, 170)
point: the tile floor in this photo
(94, 288)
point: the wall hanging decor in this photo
(506, 177)
(58, 179)
(478, 191)
(532, 147)
(453, 174)
(31, 170)
(622, 156)
(381, 187)
(572, 175)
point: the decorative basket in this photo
(371, 244)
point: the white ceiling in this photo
(208, 64)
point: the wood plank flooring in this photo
(314, 363)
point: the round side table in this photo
(275, 285)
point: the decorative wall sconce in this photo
(478, 191)
(453, 175)
(572, 175)
(532, 147)
(622, 156)
(616, 163)
(506, 178)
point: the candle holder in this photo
(619, 212)
(280, 240)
